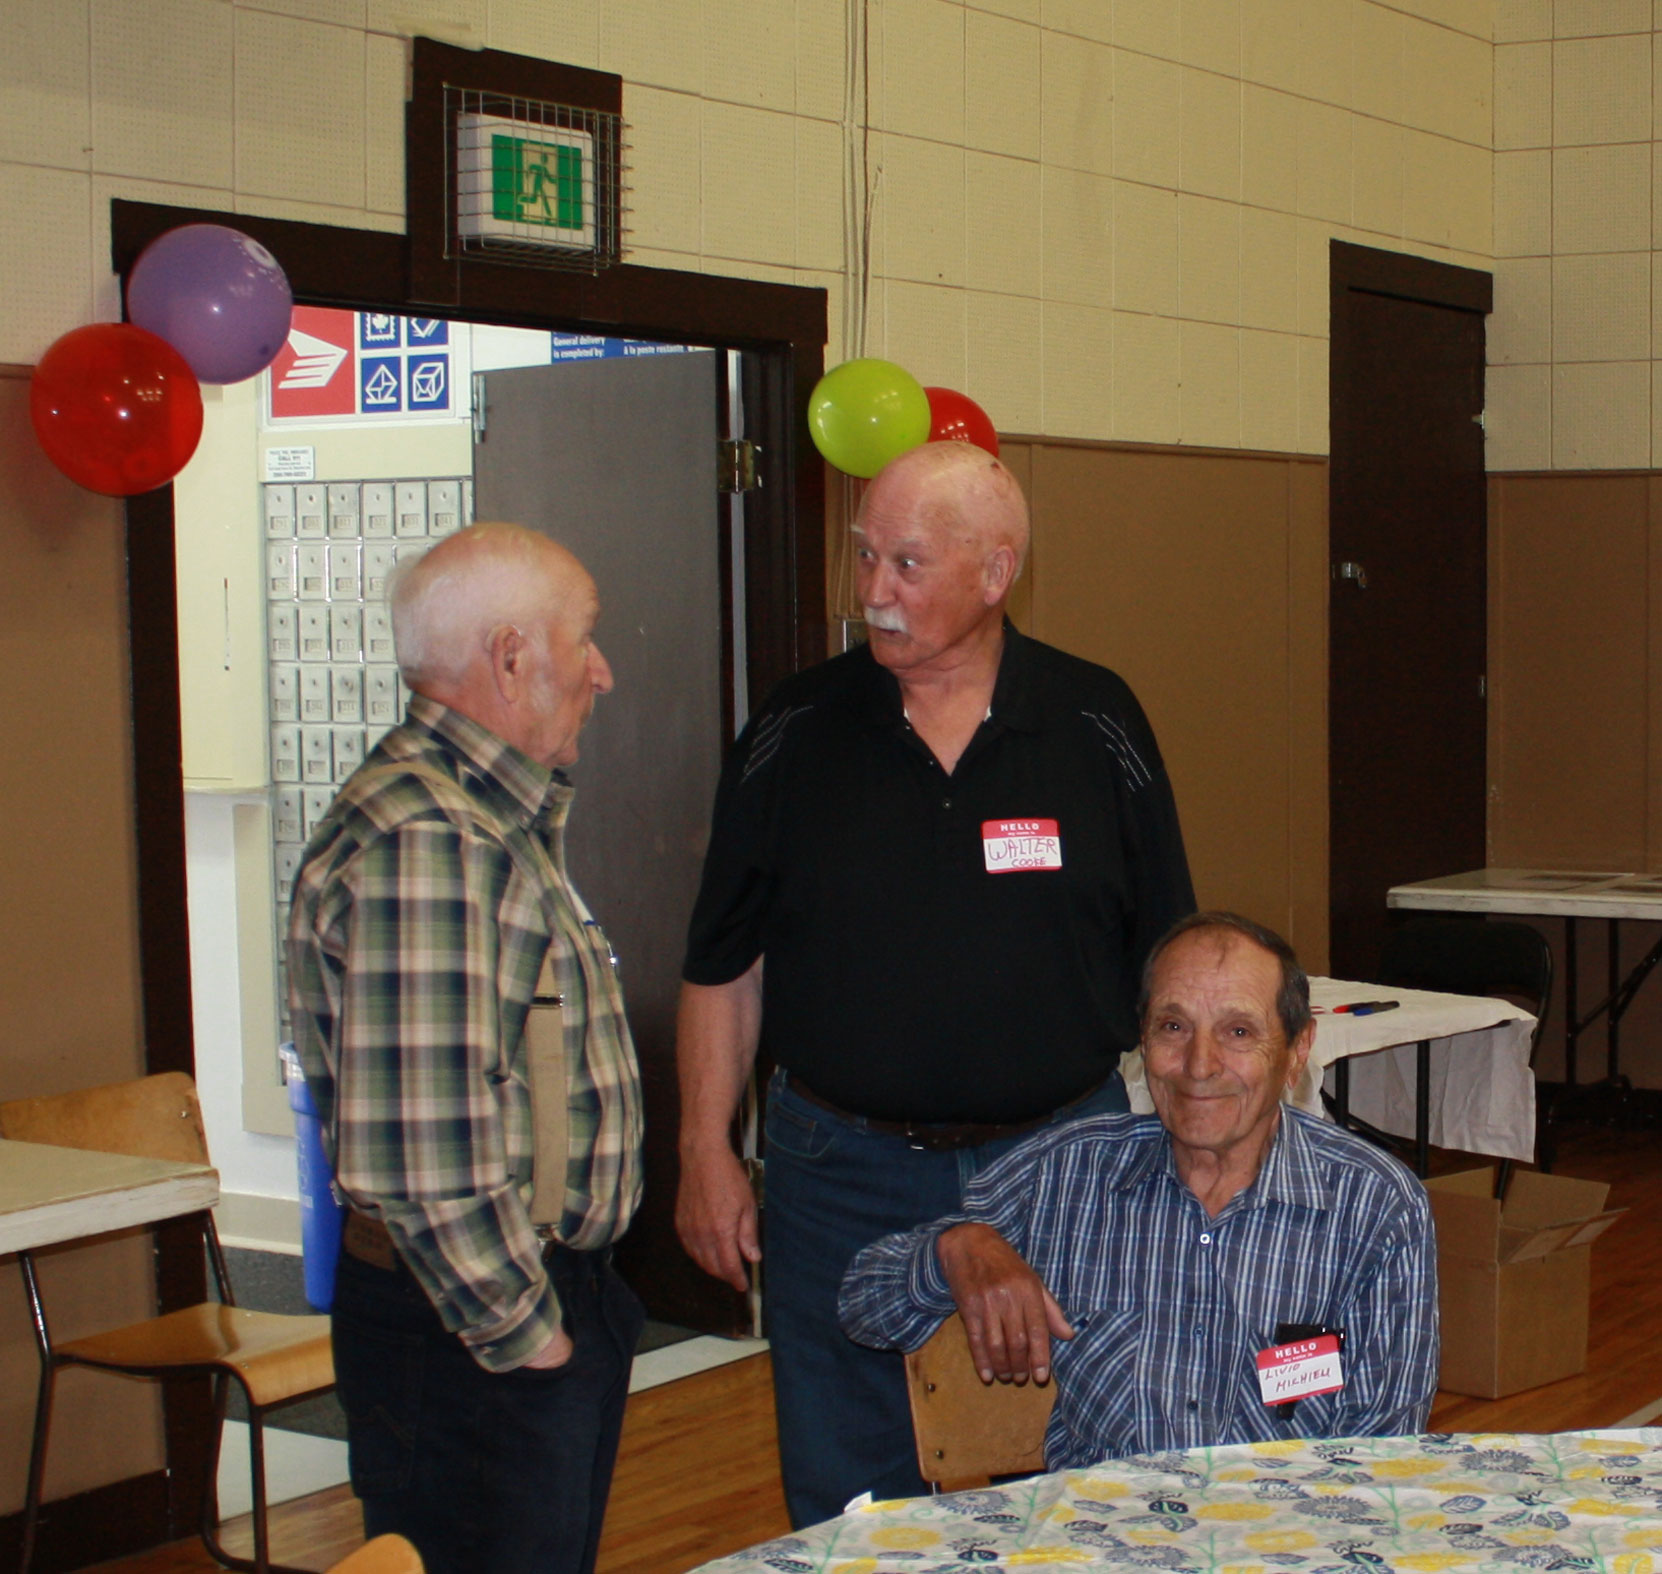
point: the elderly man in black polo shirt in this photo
(952, 849)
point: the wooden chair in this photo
(275, 1359)
(383, 1555)
(969, 1431)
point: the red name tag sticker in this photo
(1020, 844)
(1307, 1366)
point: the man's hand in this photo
(1008, 1313)
(555, 1353)
(715, 1214)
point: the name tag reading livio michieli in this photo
(1307, 1366)
(1008, 845)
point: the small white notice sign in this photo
(291, 464)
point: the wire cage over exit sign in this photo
(535, 182)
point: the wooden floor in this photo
(698, 1474)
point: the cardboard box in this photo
(1513, 1281)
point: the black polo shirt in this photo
(945, 948)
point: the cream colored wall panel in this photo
(1151, 27)
(922, 202)
(1209, 398)
(1016, 10)
(1145, 249)
(744, 62)
(1270, 43)
(666, 169)
(161, 91)
(1601, 416)
(1269, 270)
(923, 68)
(649, 42)
(1519, 418)
(1077, 116)
(384, 124)
(1447, 83)
(1447, 193)
(1092, 19)
(1147, 103)
(351, 216)
(563, 30)
(1584, 18)
(1517, 21)
(1324, 162)
(1209, 140)
(1378, 152)
(833, 283)
(343, 13)
(44, 59)
(1078, 224)
(461, 22)
(1313, 435)
(1601, 90)
(1656, 409)
(1520, 327)
(1208, 260)
(299, 110)
(1475, 18)
(1376, 79)
(1656, 314)
(1006, 339)
(1269, 391)
(1601, 307)
(1147, 358)
(45, 269)
(1326, 39)
(1269, 149)
(1523, 203)
(1209, 35)
(1314, 275)
(1523, 96)
(1601, 198)
(1002, 92)
(1078, 371)
(1469, 195)
(819, 189)
(106, 287)
(1003, 231)
(820, 29)
(749, 199)
(928, 334)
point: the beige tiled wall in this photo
(1100, 218)
(1575, 345)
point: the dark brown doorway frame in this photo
(781, 328)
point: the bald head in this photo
(958, 487)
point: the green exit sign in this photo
(523, 182)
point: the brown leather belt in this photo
(369, 1240)
(935, 1136)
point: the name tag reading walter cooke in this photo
(1009, 845)
(1307, 1366)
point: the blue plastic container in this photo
(320, 1212)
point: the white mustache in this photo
(892, 621)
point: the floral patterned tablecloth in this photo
(1473, 1503)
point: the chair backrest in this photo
(153, 1117)
(1468, 956)
(383, 1555)
(967, 1429)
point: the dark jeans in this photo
(833, 1186)
(497, 1473)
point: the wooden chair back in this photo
(968, 1431)
(154, 1117)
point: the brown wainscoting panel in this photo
(93, 1527)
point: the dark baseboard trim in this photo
(91, 1527)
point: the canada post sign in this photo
(362, 368)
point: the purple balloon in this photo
(216, 295)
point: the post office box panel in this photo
(346, 632)
(317, 754)
(377, 508)
(346, 693)
(349, 751)
(279, 570)
(410, 507)
(282, 631)
(379, 557)
(288, 866)
(314, 633)
(285, 692)
(311, 509)
(315, 803)
(288, 817)
(343, 509)
(444, 507)
(279, 511)
(381, 696)
(285, 753)
(314, 693)
(378, 644)
(344, 582)
(311, 571)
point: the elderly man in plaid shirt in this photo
(457, 1012)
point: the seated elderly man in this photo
(1170, 1259)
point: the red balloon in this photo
(957, 418)
(116, 408)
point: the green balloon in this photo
(864, 413)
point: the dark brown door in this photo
(1408, 607)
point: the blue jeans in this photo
(499, 1473)
(834, 1185)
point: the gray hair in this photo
(445, 603)
(1292, 999)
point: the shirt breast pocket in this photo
(1098, 1377)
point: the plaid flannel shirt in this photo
(426, 902)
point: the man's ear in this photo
(505, 650)
(1298, 1053)
(999, 573)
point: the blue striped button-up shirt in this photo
(1171, 1307)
